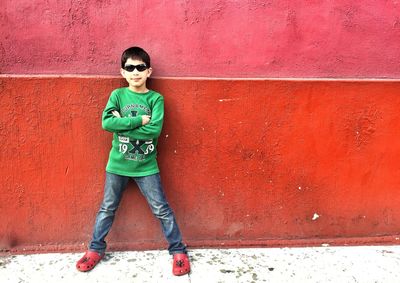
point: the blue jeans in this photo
(151, 188)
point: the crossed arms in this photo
(142, 127)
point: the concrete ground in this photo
(319, 264)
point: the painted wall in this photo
(244, 162)
(262, 38)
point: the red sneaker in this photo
(181, 265)
(88, 261)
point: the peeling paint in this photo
(228, 99)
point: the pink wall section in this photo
(204, 38)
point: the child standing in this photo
(135, 116)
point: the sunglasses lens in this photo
(131, 68)
(141, 68)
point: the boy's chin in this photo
(137, 83)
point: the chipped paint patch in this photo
(228, 99)
(315, 216)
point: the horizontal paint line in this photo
(203, 78)
(213, 243)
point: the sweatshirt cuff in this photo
(136, 122)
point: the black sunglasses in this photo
(131, 68)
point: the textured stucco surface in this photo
(261, 38)
(243, 162)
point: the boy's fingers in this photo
(116, 113)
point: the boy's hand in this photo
(116, 114)
(145, 119)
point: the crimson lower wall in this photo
(244, 162)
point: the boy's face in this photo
(138, 77)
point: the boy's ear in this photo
(122, 71)
(150, 71)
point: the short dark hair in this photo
(135, 53)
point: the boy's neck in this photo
(142, 89)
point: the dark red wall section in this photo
(261, 38)
(243, 162)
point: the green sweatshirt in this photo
(133, 151)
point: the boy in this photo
(135, 116)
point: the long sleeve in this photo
(134, 146)
(114, 124)
(153, 129)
